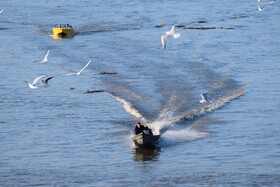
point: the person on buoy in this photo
(139, 128)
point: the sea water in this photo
(60, 136)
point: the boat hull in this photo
(144, 140)
(63, 32)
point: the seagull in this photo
(167, 34)
(260, 8)
(1, 11)
(35, 81)
(45, 58)
(204, 98)
(44, 82)
(79, 72)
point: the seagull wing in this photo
(173, 30)
(47, 80)
(204, 95)
(72, 74)
(36, 80)
(1, 11)
(201, 95)
(259, 8)
(163, 40)
(46, 56)
(85, 66)
(176, 35)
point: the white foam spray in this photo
(172, 137)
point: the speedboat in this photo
(63, 31)
(145, 140)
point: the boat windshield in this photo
(63, 26)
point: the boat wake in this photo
(130, 109)
(167, 120)
(110, 27)
(169, 125)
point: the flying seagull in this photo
(35, 81)
(45, 59)
(261, 7)
(44, 82)
(79, 72)
(1, 11)
(204, 98)
(167, 34)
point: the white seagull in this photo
(1, 11)
(260, 8)
(45, 59)
(79, 72)
(167, 34)
(35, 81)
(204, 98)
(44, 82)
